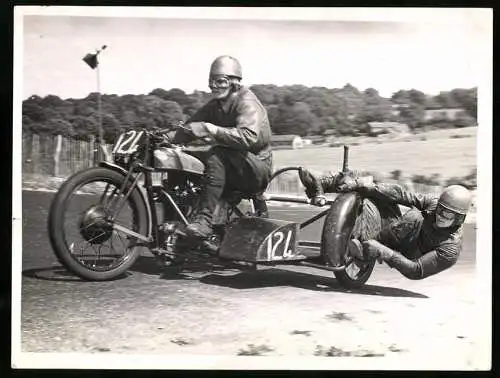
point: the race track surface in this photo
(282, 311)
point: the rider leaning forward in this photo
(236, 123)
(423, 241)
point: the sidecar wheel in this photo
(82, 224)
(355, 274)
(337, 231)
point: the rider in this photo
(237, 125)
(424, 241)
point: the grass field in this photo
(442, 153)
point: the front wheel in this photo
(92, 225)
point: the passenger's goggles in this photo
(445, 213)
(219, 82)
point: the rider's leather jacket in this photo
(243, 122)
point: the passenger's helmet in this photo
(456, 198)
(226, 65)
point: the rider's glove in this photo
(203, 130)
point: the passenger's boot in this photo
(367, 251)
(316, 186)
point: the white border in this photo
(17, 187)
(482, 17)
(441, 15)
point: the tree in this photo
(376, 108)
(292, 109)
(267, 94)
(413, 116)
(84, 127)
(295, 119)
(467, 99)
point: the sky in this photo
(144, 53)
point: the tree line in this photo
(292, 109)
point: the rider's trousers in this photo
(228, 170)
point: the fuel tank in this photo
(172, 159)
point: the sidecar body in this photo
(264, 240)
(260, 240)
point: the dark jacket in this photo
(243, 121)
(439, 247)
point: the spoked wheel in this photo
(355, 274)
(93, 227)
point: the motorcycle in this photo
(101, 217)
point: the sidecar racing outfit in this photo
(409, 242)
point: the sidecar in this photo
(264, 241)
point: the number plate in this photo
(128, 143)
(281, 244)
(261, 239)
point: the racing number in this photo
(275, 241)
(129, 138)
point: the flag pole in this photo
(99, 115)
(93, 62)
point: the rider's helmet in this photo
(225, 76)
(227, 66)
(454, 204)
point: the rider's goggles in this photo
(219, 82)
(445, 213)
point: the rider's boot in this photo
(261, 206)
(201, 226)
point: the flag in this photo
(91, 60)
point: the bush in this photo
(433, 180)
(396, 174)
(469, 181)
(459, 136)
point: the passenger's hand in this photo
(346, 184)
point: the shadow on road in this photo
(56, 273)
(278, 277)
(214, 272)
(217, 274)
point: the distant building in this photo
(314, 139)
(447, 113)
(377, 128)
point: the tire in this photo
(337, 230)
(57, 218)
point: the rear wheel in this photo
(91, 225)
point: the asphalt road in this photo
(283, 311)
